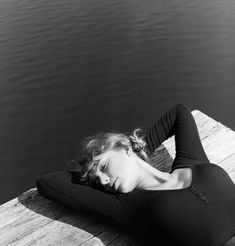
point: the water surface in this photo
(70, 69)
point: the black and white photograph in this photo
(117, 123)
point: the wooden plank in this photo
(58, 226)
(33, 220)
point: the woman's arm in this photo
(178, 121)
(118, 206)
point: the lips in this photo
(113, 186)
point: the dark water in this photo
(71, 68)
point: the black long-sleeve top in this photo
(201, 214)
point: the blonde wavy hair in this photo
(102, 142)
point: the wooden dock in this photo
(31, 219)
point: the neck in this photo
(150, 177)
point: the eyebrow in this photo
(95, 166)
(96, 162)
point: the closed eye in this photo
(103, 167)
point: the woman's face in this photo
(116, 170)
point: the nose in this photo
(104, 179)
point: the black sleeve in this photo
(178, 121)
(118, 207)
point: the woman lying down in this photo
(193, 204)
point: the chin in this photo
(125, 188)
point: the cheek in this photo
(118, 169)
